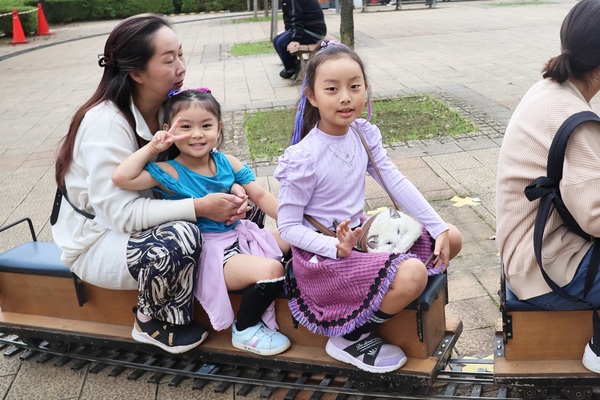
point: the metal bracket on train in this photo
(420, 329)
(79, 290)
(499, 342)
(506, 324)
(506, 318)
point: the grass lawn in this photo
(257, 19)
(400, 119)
(247, 49)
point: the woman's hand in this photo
(347, 238)
(221, 207)
(442, 250)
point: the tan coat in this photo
(523, 157)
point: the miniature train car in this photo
(539, 351)
(40, 299)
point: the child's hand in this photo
(347, 238)
(162, 140)
(239, 191)
(442, 250)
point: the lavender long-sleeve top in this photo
(324, 176)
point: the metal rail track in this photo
(452, 383)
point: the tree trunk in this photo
(347, 22)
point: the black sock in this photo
(378, 318)
(255, 300)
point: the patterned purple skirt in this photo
(334, 297)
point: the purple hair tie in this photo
(326, 44)
(175, 92)
(299, 115)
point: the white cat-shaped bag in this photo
(390, 231)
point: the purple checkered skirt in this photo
(334, 297)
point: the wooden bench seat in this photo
(303, 52)
(417, 329)
(540, 347)
(535, 334)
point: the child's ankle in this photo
(143, 317)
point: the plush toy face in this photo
(392, 231)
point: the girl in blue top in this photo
(238, 256)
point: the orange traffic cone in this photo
(42, 24)
(18, 35)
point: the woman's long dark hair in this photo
(128, 48)
(580, 44)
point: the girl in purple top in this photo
(340, 292)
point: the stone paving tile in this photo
(38, 382)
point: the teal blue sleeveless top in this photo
(190, 184)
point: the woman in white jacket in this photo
(121, 239)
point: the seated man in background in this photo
(304, 24)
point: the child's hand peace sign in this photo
(162, 140)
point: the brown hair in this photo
(128, 48)
(580, 44)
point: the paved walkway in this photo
(481, 56)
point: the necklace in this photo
(346, 158)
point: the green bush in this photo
(177, 6)
(190, 6)
(132, 7)
(231, 5)
(62, 11)
(28, 21)
(65, 11)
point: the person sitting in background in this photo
(304, 23)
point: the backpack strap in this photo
(56, 207)
(546, 188)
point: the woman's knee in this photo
(180, 238)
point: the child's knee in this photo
(274, 270)
(455, 241)
(413, 275)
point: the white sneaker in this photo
(369, 353)
(590, 359)
(259, 339)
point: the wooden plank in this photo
(64, 325)
(401, 330)
(520, 368)
(56, 297)
(311, 353)
(303, 52)
(548, 335)
(304, 48)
